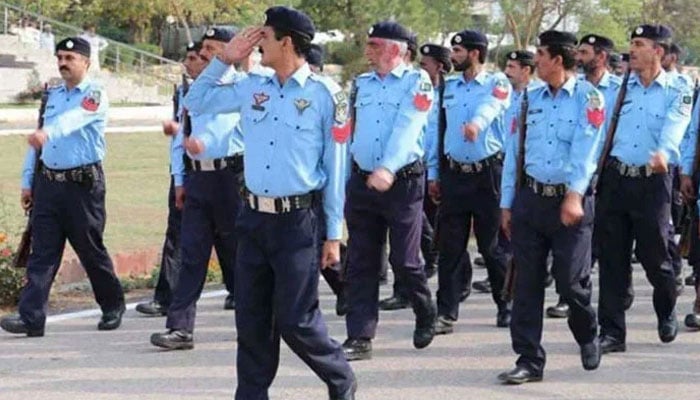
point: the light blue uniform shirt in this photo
(609, 86)
(293, 134)
(482, 101)
(561, 144)
(391, 113)
(652, 119)
(430, 138)
(74, 122)
(690, 142)
(512, 115)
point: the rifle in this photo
(442, 159)
(511, 271)
(25, 243)
(353, 116)
(176, 103)
(610, 134)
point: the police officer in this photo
(295, 129)
(468, 185)
(212, 201)
(672, 56)
(689, 187)
(634, 196)
(386, 187)
(66, 194)
(551, 208)
(170, 261)
(520, 70)
(592, 58)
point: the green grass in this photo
(136, 168)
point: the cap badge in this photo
(69, 44)
(591, 40)
(458, 39)
(211, 32)
(639, 30)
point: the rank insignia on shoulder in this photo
(594, 109)
(259, 99)
(91, 102)
(301, 105)
(422, 102)
(501, 90)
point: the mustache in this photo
(63, 68)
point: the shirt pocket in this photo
(536, 124)
(566, 126)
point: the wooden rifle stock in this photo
(25, 244)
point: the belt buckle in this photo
(466, 168)
(267, 205)
(206, 165)
(478, 166)
(59, 176)
(633, 172)
(549, 191)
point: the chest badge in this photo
(259, 99)
(301, 105)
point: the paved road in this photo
(74, 361)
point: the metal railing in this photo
(142, 67)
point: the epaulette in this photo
(340, 99)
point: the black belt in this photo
(411, 170)
(475, 167)
(630, 171)
(278, 205)
(544, 189)
(82, 174)
(233, 162)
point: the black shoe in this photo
(348, 395)
(692, 321)
(503, 319)
(482, 286)
(444, 326)
(341, 305)
(357, 349)
(230, 303)
(590, 355)
(111, 320)
(14, 324)
(609, 344)
(465, 294)
(479, 261)
(690, 280)
(561, 310)
(152, 308)
(174, 339)
(393, 303)
(668, 329)
(424, 332)
(519, 375)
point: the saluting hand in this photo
(242, 45)
(330, 254)
(380, 180)
(572, 209)
(170, 127)
(37, 139)
(194, 146)
(658, 163)
(470, 132)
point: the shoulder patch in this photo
(595, 112)
(501, 88)
(91, 101)
(342, 125)
(686, 104)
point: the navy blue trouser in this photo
(368, 215)
(633, 209)
(170, 257)
(537, 230)
(212, 204)
(466, 198)
(277, 296)
(73, 211)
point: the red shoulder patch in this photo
(91, 102)
(596, 116)
(341, 133)
(422, 102)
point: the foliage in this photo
(11, 279)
